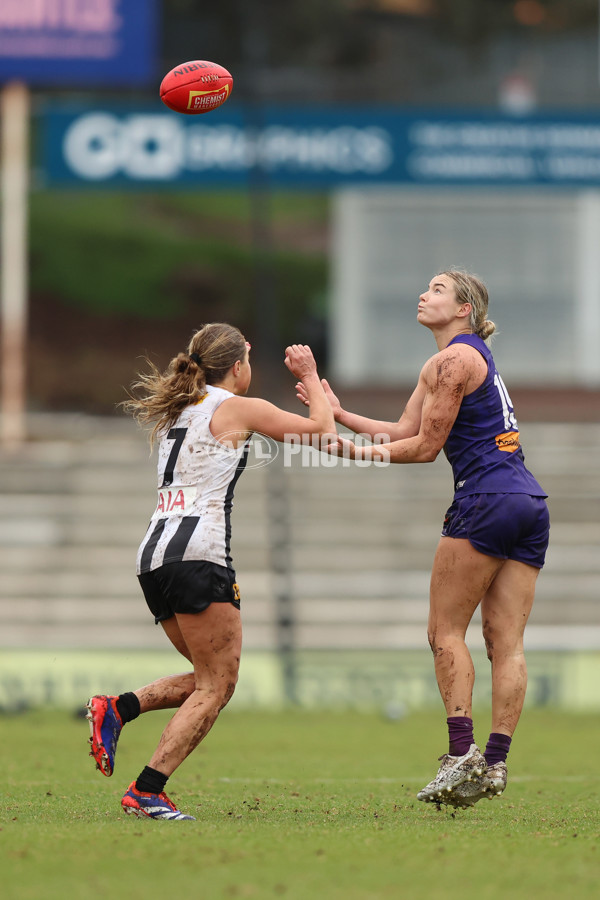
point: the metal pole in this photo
(587, 294)
(15, 163)
(280, 546)
(254, 18)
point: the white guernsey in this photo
(197, 474)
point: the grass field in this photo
(299, 805)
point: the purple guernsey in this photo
(483, 446)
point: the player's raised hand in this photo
(335, 404)
(302, 394)
(300, 360)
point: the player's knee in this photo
(228, 694)
(218, 686)
(490, 639)
(225, 688)
(432, 637)
(498, 643)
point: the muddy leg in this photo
(214, 640)
(459, 580)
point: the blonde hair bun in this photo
(487, 329)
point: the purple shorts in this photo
(508, 526)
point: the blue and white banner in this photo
(318, 147)
(78, 42)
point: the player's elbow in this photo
(324, 427)
(429, 453)
(320, 435)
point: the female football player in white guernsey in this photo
(199, 412)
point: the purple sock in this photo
(497, 748)
(460, 734)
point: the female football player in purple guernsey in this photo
(494, 535)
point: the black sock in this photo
(151, 781)
(128, 707)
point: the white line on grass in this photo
(512, 778)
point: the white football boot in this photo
(453, 771)
(491, 784)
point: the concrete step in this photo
(361, 542)
(263, 636)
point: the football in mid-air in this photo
(196, 87)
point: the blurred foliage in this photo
(115, 276)
(147, 254)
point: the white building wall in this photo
(538, 252)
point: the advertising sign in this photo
(317, 147)
(78, 43)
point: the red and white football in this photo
(196, 87)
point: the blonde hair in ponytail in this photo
(470, 289)
(158, 398)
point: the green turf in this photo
(299, 805)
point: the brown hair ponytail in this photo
(158, 398)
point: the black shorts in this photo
(188, 587)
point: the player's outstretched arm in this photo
(442, 384)
(407, 426)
